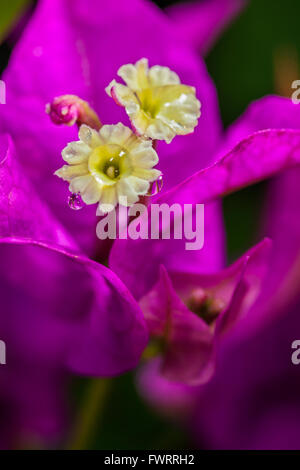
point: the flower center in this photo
(154, 100)
(150, 102)
(108, 163)
(204, 305)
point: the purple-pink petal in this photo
(259, 156)
(174, 399)
(190, 344)
(60, 305)
(201, 22)
(189, 340)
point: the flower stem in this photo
(90, 414)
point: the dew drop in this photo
(75, 202)
(156, 186)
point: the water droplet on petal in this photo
(155, 187)
(75, 202)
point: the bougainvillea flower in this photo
(158, 105)
(110, 166)
(67, 49)
(259, 156)
(61, 311)
(188, 313)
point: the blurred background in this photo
(257, 55)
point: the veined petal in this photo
(135, 76)
(92, 192)
(139, 185)
(68, 172)
(188, 340)
(125, 189)
(80, 183)
(182, 114)
(90, 137)
(115, 134)
(159, 76)
(262, 155)
(22, 213)
(96, 329)
(144, 155)
(109, 199)
(149, 175)
(140, 121)
(76, 152)
(124, 96)
(159, 129)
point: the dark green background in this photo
(242, 67)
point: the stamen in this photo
(112, 172)
(204, 305)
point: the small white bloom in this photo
(109, 166)
(158, 105)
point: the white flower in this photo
(110, 166)
(158, 105)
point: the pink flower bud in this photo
(70, 109)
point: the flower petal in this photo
(188, 355)
(76, 152)
(168, 397)
(200, 23)
(68, 172)
(125, 189)
(92, 192)
(22, 214)
(96, 329)
(260, 156)
(90, 137)
(144, 155)
(115, 134)
(160, 76)
(135, 76)
(140, 186)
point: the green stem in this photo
(90, 414)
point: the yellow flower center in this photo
(155, 99)
(150, 101)
(108, 163)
